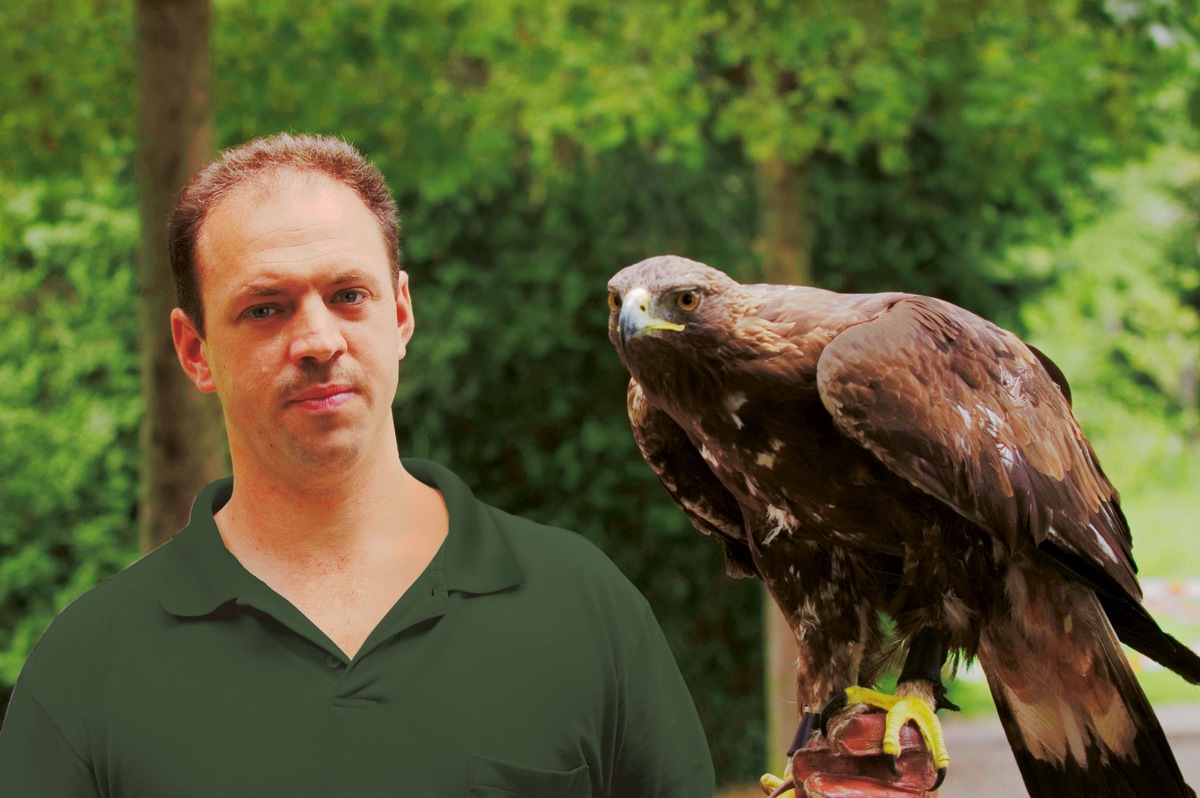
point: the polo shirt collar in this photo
(202, 575)
(475, 557)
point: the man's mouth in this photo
(324, 397)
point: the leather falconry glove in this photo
(851, 764)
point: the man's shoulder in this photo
(133, 584)
(559, 560)
(536, 546)
(115, 606)
(542, 544)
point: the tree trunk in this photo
(780, 685)
(182, 433)
(784, 244)
(784, 241)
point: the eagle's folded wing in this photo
(968, 413)
(679, 467)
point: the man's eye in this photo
(351, 296)
(259, 312)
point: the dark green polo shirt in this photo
(520, 663)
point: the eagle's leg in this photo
(919, 694)
(926, 655)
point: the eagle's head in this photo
(666, 307)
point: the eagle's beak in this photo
(635, 316)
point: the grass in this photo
(1165, 519)
(1165, 523)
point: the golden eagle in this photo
(893, 453)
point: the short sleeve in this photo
(662, 752)
(36, 757)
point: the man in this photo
(335, 620)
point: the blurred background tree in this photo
(182, 434)
(1001, 155)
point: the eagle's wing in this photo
(673, 458)
(968, 413)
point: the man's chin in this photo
(333, 450)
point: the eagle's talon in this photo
(943, 700)
(941, 776)
(836, 703)
(775, 787)
(900, 710)
(893, 765)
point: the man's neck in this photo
(322, 517)
(342, 551)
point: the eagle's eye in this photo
(614, 301)
(688, 301)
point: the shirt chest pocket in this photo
(493, 778)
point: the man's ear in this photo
(191, 350)
(404, 313)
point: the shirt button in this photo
(333, 662)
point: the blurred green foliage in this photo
(1119, 315)
(69, 401)
(964, 148)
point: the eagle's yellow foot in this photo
(771, 786)
(901, 708)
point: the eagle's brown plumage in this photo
(896, 453)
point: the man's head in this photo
(258, 163)
(306, 315)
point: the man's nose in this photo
(316, 333)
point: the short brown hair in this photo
(258, 161)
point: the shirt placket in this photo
(356, 679)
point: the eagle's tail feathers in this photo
(1075, 715)
(1137, 629)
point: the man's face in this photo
(304, 327)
